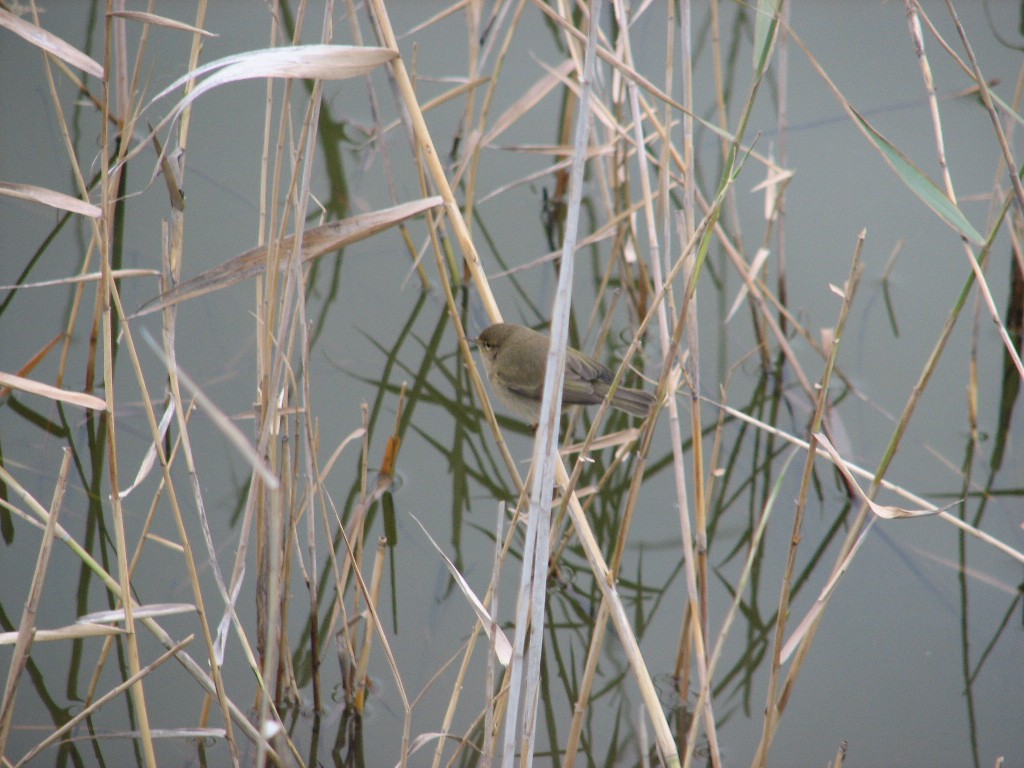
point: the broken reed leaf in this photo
(755, 266)
(116, 274)
(502, 647)
(541, 88)
(73, 632)
(775, 176)
(50, 43)
(152, 610)
(304, 62)
(53, 393)
(883, 511)
(161, 21)
(149, 458)
(623, 438)
(316, 242)
(218, 417)
(51, 198)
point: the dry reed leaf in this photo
(33, 361)
(528, 100)
(75, 632)
(755, 267)
(883, 511)
(149, 459)
(221, 420)
(502, 647)
(50, 43)
(549, 170)
(437, 101)
(435, 19)
(598, 109)
(51, 198)
(316, 242)
(422, 740)
(116, 274)
(775, 178)
(625, 437)
(139, 612)
(161, 21)
(195, 734)
(53, 393)
(815, 611)
(305, 62)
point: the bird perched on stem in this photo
(515, 358)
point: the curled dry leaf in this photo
(883, 511)
(305, 62)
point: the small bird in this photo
(515, 359)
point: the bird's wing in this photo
(582, 373)
(524, 377)
(585, 368)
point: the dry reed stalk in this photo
(378, 629)
(108, 696)
(27, 623)
(646, 204)
(774, 706)
(113, 587)
(496, 705)
(530, 613)
(173, 262)
(363, 657)
(110, 184)
(573, 737)
(439, 179)
(286, 428)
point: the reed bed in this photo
(656, 231)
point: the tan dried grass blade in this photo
(307, 62)
(623, 438)
(161, 21)
(218, 417)
(88, 277)
(149, 458)
(316, 242)
(53, 393)
(50, 43)
(35, 360)
(51, 198)
(142, 611)
(502, 647)
(883, 511)
(528, 100)
(73, 632)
